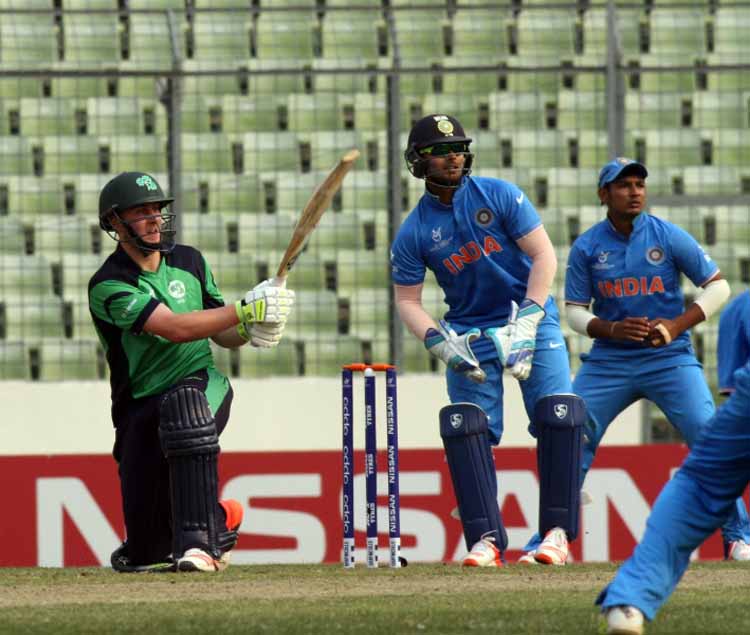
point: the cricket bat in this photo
(312, 213)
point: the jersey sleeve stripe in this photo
(144, 315)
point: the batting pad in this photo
(463, 427)
(188, 436)
(559, 421)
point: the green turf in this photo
(325, 599)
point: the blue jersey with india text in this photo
(635, 276)
(470, 246)
(733, 350)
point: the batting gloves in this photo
(455, 350)
(524, 321)
(265, 304)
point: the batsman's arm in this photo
(537, 246)
(188, 327)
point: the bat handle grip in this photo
(279, 281)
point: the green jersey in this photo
(122, 297)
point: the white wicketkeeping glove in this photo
(523, 337)
(266, 334)
(502, 336)
(265, 303)
(455, 350)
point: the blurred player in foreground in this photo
(733, 348)
(485, 244)
(630, 265)
(689, 509)
(154, 304)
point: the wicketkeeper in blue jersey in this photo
(630, 266)
(689, 509)
(485, 244)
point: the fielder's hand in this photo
(526, 320)
(265, 303)
(661, 332)
(632, 329)
(455, 350)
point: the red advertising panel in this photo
(65, 510)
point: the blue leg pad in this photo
(463, 427)
(560, 421)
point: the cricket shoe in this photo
(120, 561)
(196, 559)
(484, 553)
(738, 550)
(528, 558)
(624, 620)
(554, 548)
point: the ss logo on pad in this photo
(561, 410)
(457, 420)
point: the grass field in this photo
(434, 598)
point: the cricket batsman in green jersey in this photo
(155, 304)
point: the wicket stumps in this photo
(371, 463)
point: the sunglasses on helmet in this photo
(441, 149)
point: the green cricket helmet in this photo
(133, 189)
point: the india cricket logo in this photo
(655, 255)
(147, 182)
(561, 410)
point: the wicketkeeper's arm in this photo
(537, 246)
(411, 311)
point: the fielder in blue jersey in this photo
(689, 509)
(733, 348)
(630, 265)
(485, 243)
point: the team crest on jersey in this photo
(437, 234)
(176, 289)
(444, 125)
(484, 216)
(602, 261)
(655, 255)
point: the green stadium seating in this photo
(731, 26)
(727, 79)
(285, 36)
(125, 116)
(15, 156)
(358, 81)
(66, 359)
(29, 196)
(235, 273)
(292, 80)
(315, 313)
(22, 274)
(309, 271)
(54, 235)
(596, 36)
(465, 108)
(327, 147)
(77, 269)
(14, 360)
(355, 268)
(292, 190)
(66, 154)
(204, 231)
(337, 231)
(92, 37)
(568, 187)
(147, 153)
(369, 111)
(731, 147)
(156, 4)
(581, 110)
(263, 362)
(547, 34)
(241, 113)
(352, 34)
(673, 147)
(220, 193)
(200, 113)
(677, 30)
(481, 34)
(199, 78)
(28, 39)
(150, 40)
(663, 77)
(511, 111)
(721, 109)
(520, 176)
(364, 190)
(271, 151)
(654, 110)
(32, 315)
(84, 189)
(415, 359)
(12, 235)
(324, 356)
(420, 34)
(316, 112)
(712, 179)
(369, 311)
(473, 81)
(222, 36)
(205, 152)
(260, 233)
